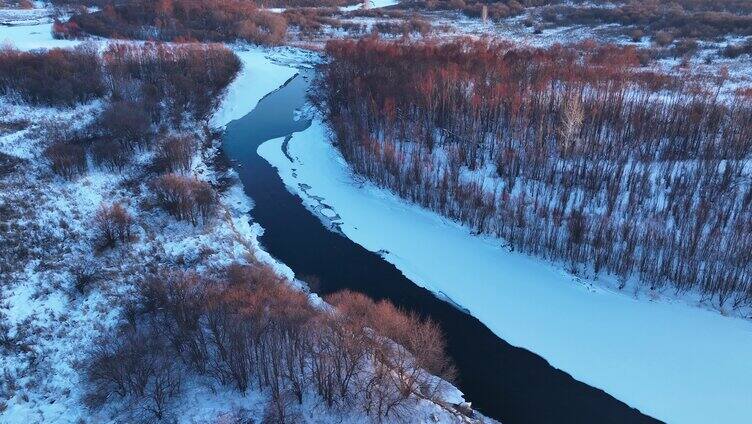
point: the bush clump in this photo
(705, 20)
(170, 81)
(732, 51)
(175, 153)
(56, 77)
(68, 159)
(185, 198)
(113, 225)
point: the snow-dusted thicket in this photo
(59, 292)
(176, 20)
(578, 161)
(568, 153)
(77, 247)
(670, 359)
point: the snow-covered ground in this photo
(24, 16)
(673, 361)
(258, 77)
(372, 4)
(27, 29)
(47, 325)
(28, 37)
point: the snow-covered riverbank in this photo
(40, 308)
(673, 361)
(258, 77)
(49, 324)
(29, 37)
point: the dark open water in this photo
(504, 382)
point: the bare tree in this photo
(113, 225)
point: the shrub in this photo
(733, 51)
(122, 127)
(251, 276)
(279, 409)
(112, 224)
(686, 47)
(172, 79)
(355, 306)
(85, 274)
(9, 164)
(419, 26)
(126, 123)
(272, 317)
(175, 153)
(65, 30)
(67, 159)
(637, 35)
(311, 20)
(185, 198)
(414, 25)
(400, 370)
(135, 365)
(423, 338)
(663, 38)
(55, 77)
(262, 28)
(111, 154)
(180, 299)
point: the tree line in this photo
(573, 154)
(54, 77)
(247, 329)
(177, 20)
(705, 20)
(151, 89)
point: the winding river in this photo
(507, 383)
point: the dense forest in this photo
(573, 154)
